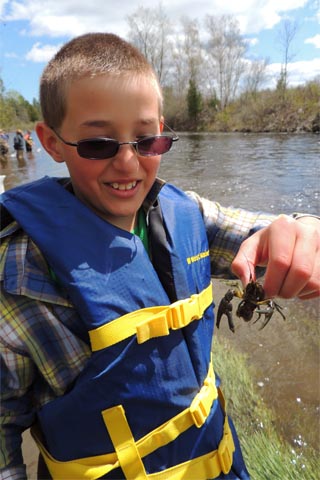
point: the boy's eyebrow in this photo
(96, 123)
(108, 123)
(148, 121)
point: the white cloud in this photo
(2, 6)
(314, 40)
(42, 53)
(298, 72)
(69, 18)
(73, 17)
(56, 26)
(252, 41)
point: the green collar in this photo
(141, 229)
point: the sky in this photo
(31, 31)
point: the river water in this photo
(273, 173)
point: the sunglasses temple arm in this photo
(176, 137)
(60, 138)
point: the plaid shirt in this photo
(43, 349)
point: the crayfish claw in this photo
(225, 308)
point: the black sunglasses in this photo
(100, 148)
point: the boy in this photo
(108, 318)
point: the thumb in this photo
(248, 257)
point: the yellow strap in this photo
(96, 466)
(152, 321)
(196, 415)
(88, 468)
(124, 443)
(200, 468)
(207, 466)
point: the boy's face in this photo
(122, 109)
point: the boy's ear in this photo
(161, 124)
(49, 141)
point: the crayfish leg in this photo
(266, 320)
(279, 308)
(238, 292)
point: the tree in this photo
(194, 100)
(15, 110)
(2, 89)
(255, 76)
(186, 64)
(149, 32)
(286, 35)
(190, 50)
(225, 53)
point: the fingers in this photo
(293, 259)
(291, 251)
(243, 265)
(281, 246)
(312, 287)
(310, 296)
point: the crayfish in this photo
(252, 300)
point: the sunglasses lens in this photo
(97, 149)
(101, 148)
(154, 145)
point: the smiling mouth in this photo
(123, 186)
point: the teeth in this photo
(123, 186)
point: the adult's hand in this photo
(290, 250)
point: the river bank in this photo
(293, 110)
(268, 455)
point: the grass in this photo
(268, 456)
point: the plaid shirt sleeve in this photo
(16, 410)
(14, 473)
(226, 229)
(40, 358)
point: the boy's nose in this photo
(126, 158)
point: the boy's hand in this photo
(290, 249)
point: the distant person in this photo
(18, 143)
(4, 135)
(4, 145)
(28, 141)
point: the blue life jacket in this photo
(146, 404)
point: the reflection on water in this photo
(29, 166)
(267, 172)
(278, 173)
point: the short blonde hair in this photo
(89, 55)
